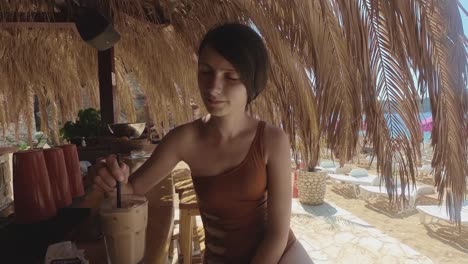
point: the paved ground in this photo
(333, 235)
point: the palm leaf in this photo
(332, 61)
(393, 94)
(448, 96)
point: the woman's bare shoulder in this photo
(273, 134)
(275, 139)
(182, 138)
(185, 131)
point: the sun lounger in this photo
(437, 213)
(356, 177)
(328, 170)
(368, 192)
(338, 169)
(328, 166)
(343, 170)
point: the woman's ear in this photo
(248, 108)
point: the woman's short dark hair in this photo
(244, 49)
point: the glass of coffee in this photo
(124, 229)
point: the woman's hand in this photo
(158, 166)
(108, 171)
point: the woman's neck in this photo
(228, 127)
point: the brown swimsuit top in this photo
(233, 208)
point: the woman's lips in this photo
(215, 102)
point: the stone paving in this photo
(333, 235)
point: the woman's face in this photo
(220, 85)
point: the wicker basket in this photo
(312, 186)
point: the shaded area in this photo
(28, 243)
(382, 206)
(449, 235)
(328, 213)
(324, 209)
(345, 190)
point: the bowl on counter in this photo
(129, 130)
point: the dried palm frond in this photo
(449, 100)
(395, 96)
(334, 63)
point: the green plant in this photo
(21, 145)
(39, 140)
(87, 125)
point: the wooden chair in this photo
(188, 235)
(198, 241)
(182, 181)
(188, 208)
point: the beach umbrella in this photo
(426, 124)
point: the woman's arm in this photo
(164, 158)
(277, 152)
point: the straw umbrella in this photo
(333, 61)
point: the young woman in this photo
(240, 166)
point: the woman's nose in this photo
(215, 85)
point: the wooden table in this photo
(158, 231)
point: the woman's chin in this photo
(217, 112)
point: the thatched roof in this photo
(333, 61)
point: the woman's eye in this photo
(232, 77)
(204, 72)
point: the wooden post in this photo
(107, 87)
(107, 79)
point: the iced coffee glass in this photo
(124, 229)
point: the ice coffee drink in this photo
(124, 229)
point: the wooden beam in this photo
(37, 20)
(64, 19)
(38, 25)
(35, 17)
(107, 86)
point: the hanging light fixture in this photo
(93, 27)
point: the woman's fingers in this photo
(108, 172)
(99, 183)
(125, 170)
(107, 177)
(114, 168)
(104, 178)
